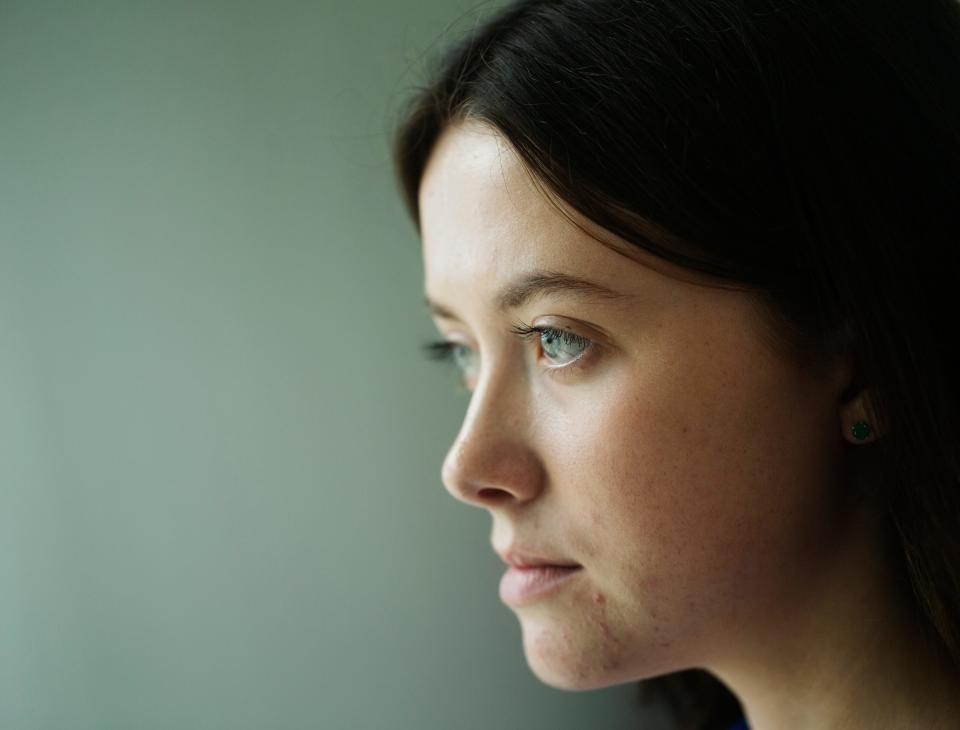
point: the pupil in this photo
(549, 340)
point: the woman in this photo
(696, 261)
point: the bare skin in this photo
(694, 473)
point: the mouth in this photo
(522, 559)
(523, 585)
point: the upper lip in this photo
(526, 559)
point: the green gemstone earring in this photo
(860, 430)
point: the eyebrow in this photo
(534, 284)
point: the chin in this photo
(560, 661)
(567, 682)
(574, 660)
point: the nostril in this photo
(492, 494)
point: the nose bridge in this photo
(492, 457)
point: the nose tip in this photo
(485, 473)
(493, 460)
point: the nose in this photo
(492, 462)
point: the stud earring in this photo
(860, 430)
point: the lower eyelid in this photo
(572, 368)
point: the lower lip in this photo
(520, 586)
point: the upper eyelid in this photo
(524, 332)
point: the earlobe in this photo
(858, 421)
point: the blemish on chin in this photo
(598, 598)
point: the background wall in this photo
(220, 502)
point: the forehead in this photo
(477, 206)
(484, 219)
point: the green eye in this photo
(459, 354)
(463, 357)
(562, 346)
(557, 344)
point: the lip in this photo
(532, 575)
(522, 559)
(522, 586)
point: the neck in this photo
(847, 652)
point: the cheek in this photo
(702, 493)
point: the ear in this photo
(858, 421)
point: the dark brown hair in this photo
(806, 150)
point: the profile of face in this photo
(648, 434)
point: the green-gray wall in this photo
(220, 502)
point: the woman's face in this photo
(662, 447)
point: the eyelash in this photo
(443, 350)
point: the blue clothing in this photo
(739, 725)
